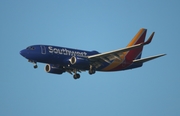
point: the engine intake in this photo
(73, 60)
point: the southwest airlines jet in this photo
(61, 59)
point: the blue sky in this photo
(101, 25)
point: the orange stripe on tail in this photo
(132, 54)
(138, 38)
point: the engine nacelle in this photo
(53, 69)
(79, 61)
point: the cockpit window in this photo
(30, 48)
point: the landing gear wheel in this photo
(76, 76)
(92, 71)
(34, 62)
(35, 66)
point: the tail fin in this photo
(138, 39)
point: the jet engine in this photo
(53, 69)
(79, 61)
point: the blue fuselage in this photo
(54, 55)
(61, 56)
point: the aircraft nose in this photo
(22, 52)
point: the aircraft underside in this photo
(58, 69)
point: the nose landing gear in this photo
(35, 64)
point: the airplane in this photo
(61, 59)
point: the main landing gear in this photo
(92, 70)
(76, 76)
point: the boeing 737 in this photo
(61, 59)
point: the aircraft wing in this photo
(109, 56)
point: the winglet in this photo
(150, 39)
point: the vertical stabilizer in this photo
(138, 38)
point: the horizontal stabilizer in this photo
(147, 59)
